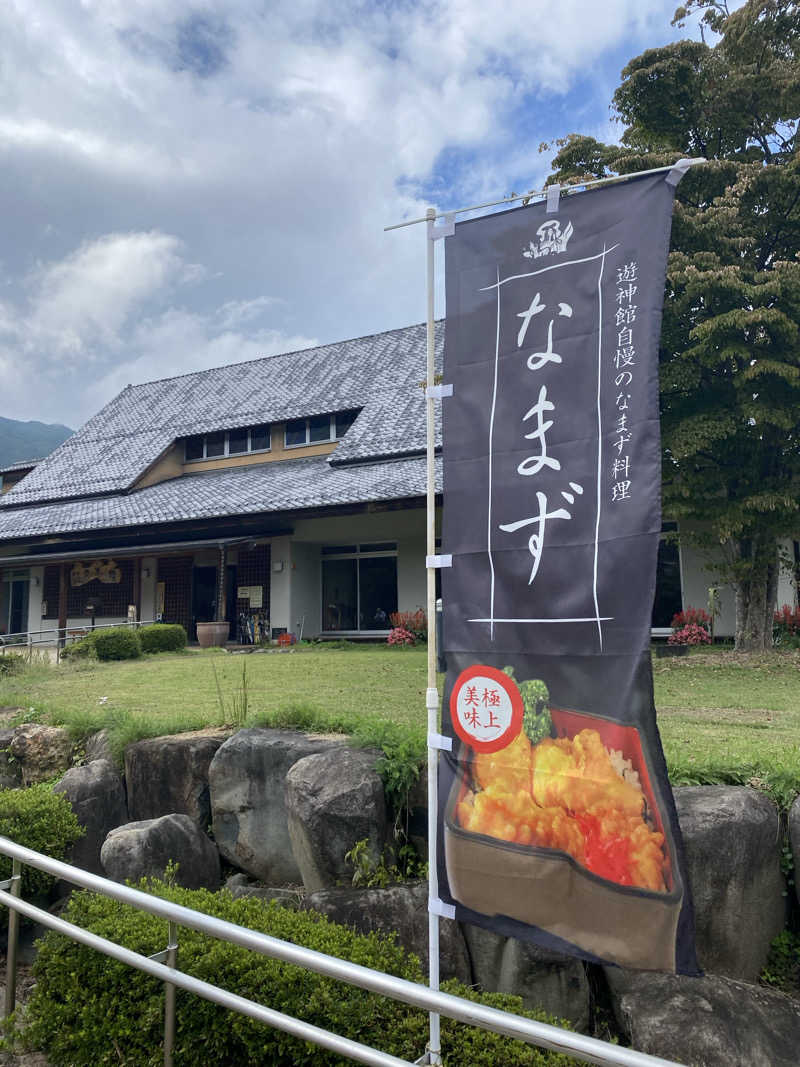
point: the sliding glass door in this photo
(359, 587)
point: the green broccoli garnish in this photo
(536, 720)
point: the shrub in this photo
(86, 1007)
(401, 636)
(162, 637)
(690, 634)
(692, 626)
(39, 819)
(120, 642)
(691, 617)
(786, 626)
(11, 662)
(413, 621)
(81, 649)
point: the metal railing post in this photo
(14, 885)
(169, 956)
(169, 996)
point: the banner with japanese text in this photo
(557, 821)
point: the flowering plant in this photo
(690, 634)
(400, 636)
(787, 620)
(414, 622)
(691, 617)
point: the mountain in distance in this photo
(28, 440)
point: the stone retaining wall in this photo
(282, 808)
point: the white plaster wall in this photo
(306, 584)
(280, 605)
(697, 580)
(412, 580)
(787, 591)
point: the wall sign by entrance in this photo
(104, 570)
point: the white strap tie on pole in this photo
(437, 562)
(679, 169)
(553, 194)
(438, 907)
(439, 392)
(440, 743)
(445, 229)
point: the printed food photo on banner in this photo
(557, 821)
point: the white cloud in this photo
(185, 184)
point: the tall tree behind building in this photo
(730, 342)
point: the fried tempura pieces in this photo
(565, 794)
(577, 774)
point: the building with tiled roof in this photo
(281, 494)
(284, 493)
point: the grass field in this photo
(722, 717)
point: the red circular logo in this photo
(486, 708)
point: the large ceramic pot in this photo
(212, 634)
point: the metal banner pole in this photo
(432, 693)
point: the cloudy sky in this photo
(185, 185)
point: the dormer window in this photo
(238, 442)
(319, 429)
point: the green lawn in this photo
(728, 718)
(722, 717)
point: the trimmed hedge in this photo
(86, 1007)
(42, 820)
(119, 642)
(83, 648)
(162, 637)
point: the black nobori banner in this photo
(557, 820)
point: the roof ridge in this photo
(272, 355)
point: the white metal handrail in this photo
(68, 631)
(588, 1049)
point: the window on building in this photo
(319, 429)
(359, 586)
(237, 442)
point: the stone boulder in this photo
(241, 885)
(334, 800)
(732, 840)
(705, 1022)
(247, 783)
(794, 841)
(10, 770)
(97, 796)
(42, 752)
(144, 849)
(167, 775)
(546, 980)
(402, 908)
(97, 746)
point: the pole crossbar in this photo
(588, 1049)
(566, 190)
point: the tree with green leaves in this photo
(730, 343)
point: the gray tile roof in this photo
(289, 485)
(379, 373)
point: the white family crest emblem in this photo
(550, 239)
